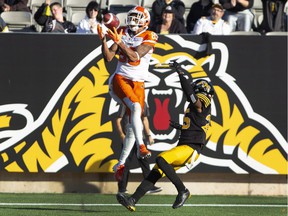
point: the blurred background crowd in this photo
(217, 17)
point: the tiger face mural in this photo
(75, 130)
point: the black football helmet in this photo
(204, 87)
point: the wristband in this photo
(138, 58)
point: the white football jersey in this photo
(136, 71)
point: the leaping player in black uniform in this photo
(192, 139)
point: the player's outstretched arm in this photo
(108, 53)
(187, 87)
(132, 55)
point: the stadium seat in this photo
(103, 4)
(245, 33)
(147, 4)
(260, 19)
(122, 16)
(277, 34)
(257, 10)
(116, 6)
(29, 4)
(72, 6)
(77, 16)
(258, 6)
(17, 20)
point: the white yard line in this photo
(160, 205)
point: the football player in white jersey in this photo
(135, 45)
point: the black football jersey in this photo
(195, 124)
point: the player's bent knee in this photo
(160, 161)
(136, 107)
(154, 176)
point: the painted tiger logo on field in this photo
(238, 139)
(75, 130)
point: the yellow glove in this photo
(100, 32)
(114, 35)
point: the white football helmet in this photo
(137, 17)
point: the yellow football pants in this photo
(177, 157)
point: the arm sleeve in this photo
(39, 15)
(187, 88)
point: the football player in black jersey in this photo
(192, 139)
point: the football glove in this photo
(177, 67)
(175, 125)
(117, 38)
(100, 32)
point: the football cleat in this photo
(181, 198)
(119, 172)
(143, 152)
(127, 202)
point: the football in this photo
(110, 20)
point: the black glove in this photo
(177, 66)
(175, 125)
(207, 39)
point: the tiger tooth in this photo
(179, 96)
(162, 92)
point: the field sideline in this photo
(98, 204)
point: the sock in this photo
(146, 185)
(137, 124)
(136, 121)
(127, 145)
(170, 173)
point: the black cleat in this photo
(181, 198)
(127, 202)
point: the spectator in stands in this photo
(238, 14)
(3, 26)
(214, 24)
(50, 16)
(92, 18)
(14, 5)
(198, 9)
(168, 23)
(159, 6)
(273, 16)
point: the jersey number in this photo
(187, 123)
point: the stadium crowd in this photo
(218, 17)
